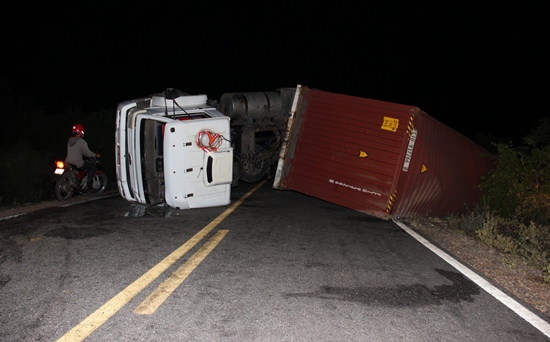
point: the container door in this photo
(345, 150)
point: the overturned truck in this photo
(187, 151)
(384, 159)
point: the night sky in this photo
(474, 68)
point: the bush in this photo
(519, 186)
(515, 214)
(25, 176)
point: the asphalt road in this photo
(273, 266)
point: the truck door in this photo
(197, 175)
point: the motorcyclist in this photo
(77, 149)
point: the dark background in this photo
(476, 68)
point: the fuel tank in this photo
(251, 106)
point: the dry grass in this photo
(523, 281)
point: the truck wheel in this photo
(253, 168)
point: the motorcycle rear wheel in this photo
(99, 185)
(64, 187)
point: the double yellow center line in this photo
(153, 301)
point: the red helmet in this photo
(78, 129)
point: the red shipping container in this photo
(384, 159)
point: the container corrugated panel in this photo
(381, 158)
(444, 172)
(348, 150)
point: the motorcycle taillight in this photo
(60, 164)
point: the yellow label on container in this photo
(390, 124)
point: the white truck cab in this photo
(174, 148)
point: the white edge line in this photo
(512, 304)
(12, 216)
(58, 206)
(87, 200)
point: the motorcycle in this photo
(71, 181)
